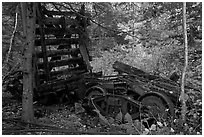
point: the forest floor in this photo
(67, 119)
(54, 119)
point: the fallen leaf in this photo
(159, 124)
(145, 132)
(153, 127)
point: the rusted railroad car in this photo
(134, 91)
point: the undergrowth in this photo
(143, 127)
(161, 61)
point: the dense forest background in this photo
(147, 35)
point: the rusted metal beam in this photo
(66, 13)
(51, 53)
(52, 21)
(58, 41)
(76, 70)
(58, 84)
(57, 31)
(59, 21)
(122, 67)
(57, 63)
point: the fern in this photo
(119, 118)
(128, 118)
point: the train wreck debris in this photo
(64, 71)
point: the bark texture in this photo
(29, 17)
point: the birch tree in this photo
(182, 96)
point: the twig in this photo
(13, 35)
(100, 8)
(52, 129)
(196, 127)
(10, 119)
(59, 4)
(4, 77)
(35, 124)
(5, 131)
(54, 4)
(17, 125)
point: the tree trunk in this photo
(13, 36)
(182, 96)
(29, 17)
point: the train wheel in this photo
(90, 94)
(157, 108)
(93, 94)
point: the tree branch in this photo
(117, 31)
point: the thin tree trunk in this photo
(182, 96)
(29, 17)
(13, 36)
